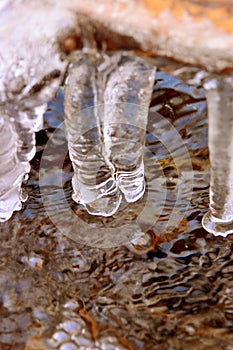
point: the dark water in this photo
(172, 288)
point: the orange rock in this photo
(199, 33)
(196, 32)
(218, 12)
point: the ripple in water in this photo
(165, 289)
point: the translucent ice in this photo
(31, 71)
(17, 148)
(94, 184)
(106, 106)
(11, 170)
(219, 220)
(127, 97)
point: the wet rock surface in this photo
(169, 289)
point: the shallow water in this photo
(170, 288)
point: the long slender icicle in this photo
(219, 220)
(127, 98)
(93, 182)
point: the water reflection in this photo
(172, 289)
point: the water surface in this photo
(169, 289)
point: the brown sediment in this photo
(109, 329)
(36, 342)
(93, 325)
(90, 320)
